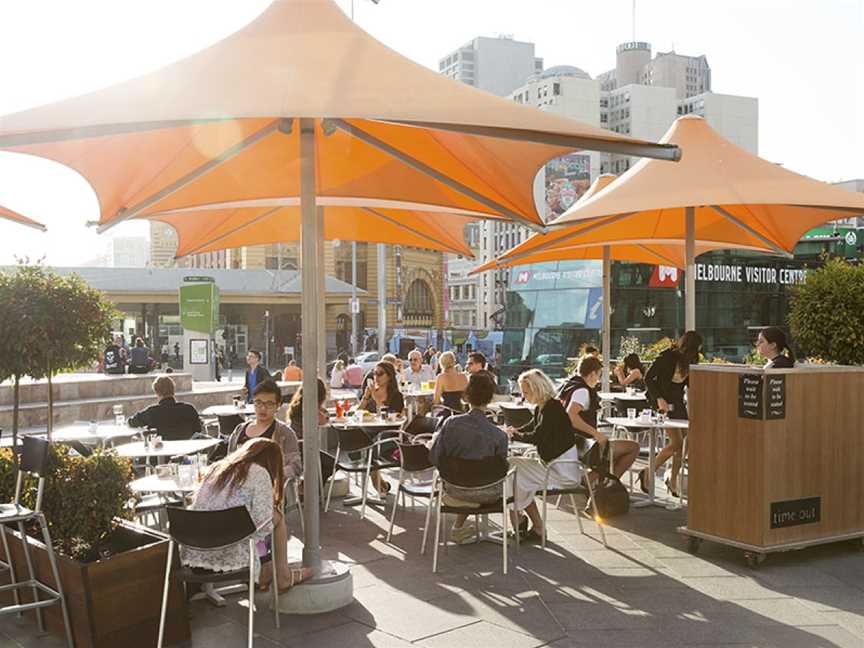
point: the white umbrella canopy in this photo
(303, 104)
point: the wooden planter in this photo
(113, 602)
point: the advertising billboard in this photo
(567, 178)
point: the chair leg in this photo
(12, 581)
(437, 534)
(332, 480)
(300, 511)
(395, 505)
(597, 517)
(506, 516)
(543, 539)
(576, 511)
(274, 589)
(252, 590)
(55, 572)
(165, 594)
(426, 525)
(40, 619)
(366, 479)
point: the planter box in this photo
(113, 602)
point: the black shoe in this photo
(669, 488)
(643, 476)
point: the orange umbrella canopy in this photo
(657, 253)
(737, 199)
(222, 126)
(217, 229)
(14, 216)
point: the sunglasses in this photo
(378, 374)
(267, 404)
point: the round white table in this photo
(162, 485)
(374, 424)
(624, 396)
(105, 433)
(653, 426)
(168, 448)
(246, 409)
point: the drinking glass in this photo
(631, 412)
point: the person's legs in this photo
(624, 453)
(676, 442)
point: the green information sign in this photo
(199, 307)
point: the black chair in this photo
(355, 441)
(475, 475)
(516, 416)
(425, 425)
(413, 460)
(34, 461)
(211, 531)
(227, 424)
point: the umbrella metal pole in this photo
(690, 271)
(353, 298)
(606, 341)
(322, 301)
(382, 299)
(311, 232)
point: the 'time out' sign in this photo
(807, 510)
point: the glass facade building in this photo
(554, 308)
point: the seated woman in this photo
(665, 383)
(470, 436)
(382, 394)
(579, 397)
(631, 373)
(450, 383)
(251, 476)
(295, 422)
(550, 430)
(771, 344)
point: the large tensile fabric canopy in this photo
(219, 229)
(15, 217)
(302, 104)
(218, 127)
(718, 196)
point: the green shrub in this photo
(826, 314)
(83, 496)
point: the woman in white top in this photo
(251, 476)
(337, 377)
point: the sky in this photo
(801, 59)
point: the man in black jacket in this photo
(255, 375)
(171, 419)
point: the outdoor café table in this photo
(229, 410)
(104, 435)
(167, 450)
(653, 426)
(161, 485)
(624, 396)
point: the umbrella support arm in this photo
(129, 213)
(230, 232)
(425, 169)
(606, 334)
(764, 239)
(403, 226)
(690, 269)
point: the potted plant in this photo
(112, 569)
(49, 324)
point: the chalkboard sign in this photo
(776, 397)
(807, 510)
(750, 396)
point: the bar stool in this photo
(34, 461)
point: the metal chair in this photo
(211, 531)
(413, 460)
(475, 475)
(517, 416)
(34, 461)
(354, 440)
(421, 425)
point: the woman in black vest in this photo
(665, 383)
(771, 344)
(579, 397)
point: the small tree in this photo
(48, 324)
(826, 315)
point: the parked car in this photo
(368, 360)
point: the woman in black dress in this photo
(771, 344)
(665, 383)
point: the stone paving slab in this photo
(645, 590)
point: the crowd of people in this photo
(263, 452)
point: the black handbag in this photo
(610, 496)
(591, 454)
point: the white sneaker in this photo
(463, 534)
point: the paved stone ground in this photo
(645, 590)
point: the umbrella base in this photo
(332, 590)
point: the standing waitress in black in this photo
(665, 383)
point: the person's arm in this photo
(439, 388)
(290, 452)
(619, 375)
(142, 418)
(366, 396)
(579, 424)
(658, 380)
(437, 447)
(632, 377)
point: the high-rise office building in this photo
(497, 65)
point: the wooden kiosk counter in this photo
(776, 457)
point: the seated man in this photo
(172, 420)
(353, 374)
(470, 436)
(417, 373)
(292, 372)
